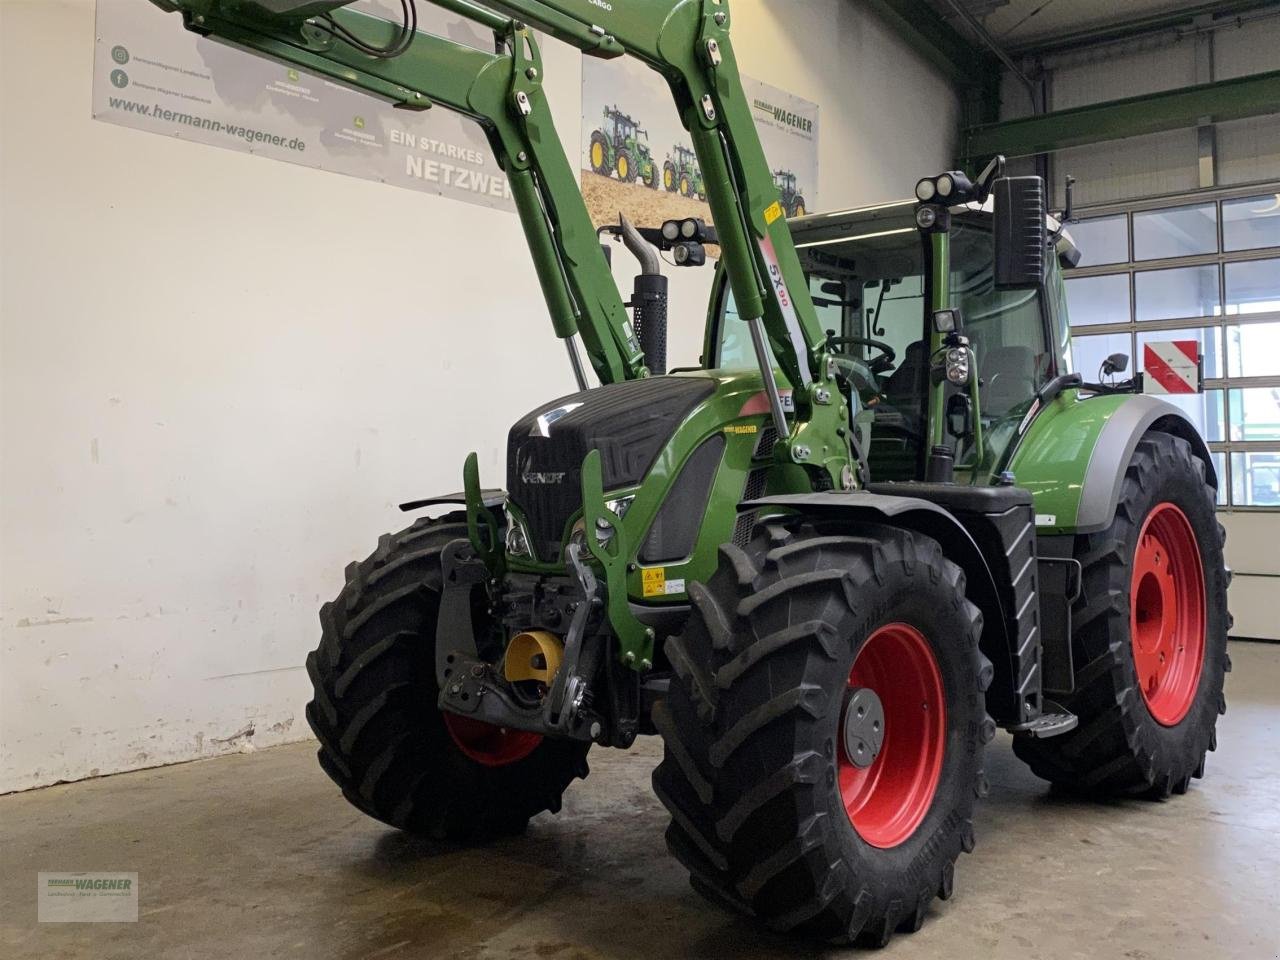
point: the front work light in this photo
(926, 190)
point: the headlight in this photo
(671, 230)
(517, 540)
(958, 366)
(926, 217)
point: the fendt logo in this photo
(602, 4)
(543, 478)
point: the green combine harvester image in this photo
(680, 173)
(621, 147)
(881, 519)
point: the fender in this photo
(490, 496)
(1074, 455)
(930, 519)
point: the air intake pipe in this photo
(648, 299)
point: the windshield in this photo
(868, 289)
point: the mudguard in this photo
(922, 516)
(1074, 455)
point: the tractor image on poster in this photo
(881, 517)
(792, 199)
(680, 173)
(620, 147)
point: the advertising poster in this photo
(637, 159)
(151, 74)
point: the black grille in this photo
(629, 423)
(753, 489)
(675, 528)
(764, 446)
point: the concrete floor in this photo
(258, 856)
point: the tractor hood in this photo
(628, 422)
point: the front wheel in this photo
(825, 729)
(624, 167)
(1149, 636)
(383, 740)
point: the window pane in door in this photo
(1255, 479)
(1253, 350)
(1253, 286)
(1178, 293)
(1092, 300)
(1175, 232)
(1255, 414)
(1087, 353)
(1251, 223)
(1101, 240)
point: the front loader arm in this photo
(503, 93)
(687, 42)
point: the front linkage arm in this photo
(500, 91)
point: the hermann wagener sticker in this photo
(654, 583)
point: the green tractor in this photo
(792, 199)
(680, 173)
(621, 147)
(879, 521)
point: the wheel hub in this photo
(863, 726)
(1167, 613)
(888, 785)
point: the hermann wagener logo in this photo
(785, 117)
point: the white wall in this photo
(218, 374)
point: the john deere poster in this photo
(152, 74)
(637, 159)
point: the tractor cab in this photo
(869, 280)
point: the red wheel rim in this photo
(887, 800)
(489, 745)
(1167, 613)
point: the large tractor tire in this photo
(684, 185)
(825, 729)
(624, 166)
(382, 739)
(1149, 636)
(598, 154)
(797, 207)
(654, 179)
(669, 176)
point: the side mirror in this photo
(1020, 236)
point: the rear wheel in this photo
(395, 755)
(797, 207)
(599, 154)
(825, 729)
(1149, 636)
(669, 176)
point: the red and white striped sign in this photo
(1171, 366)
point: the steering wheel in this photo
(881, 364)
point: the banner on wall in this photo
(637, 159)
(151, 74)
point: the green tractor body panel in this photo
(1075, 451)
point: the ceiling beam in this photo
(1129, 28)
(1233, 99)
(937, 41)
